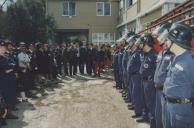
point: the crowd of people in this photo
(157, 85)
(24, 65)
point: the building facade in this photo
(135, 15)
(85, 20)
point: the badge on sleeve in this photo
(167, 58)
(179, 67)
(145, 65)
(159, 57)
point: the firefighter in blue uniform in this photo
(129, 82)
(116, 66)
(120, 57)
(124, 68)
(147, 71)
(126, 57)
(127, 96)
(133, 70)
(179, 84)
(163, 60)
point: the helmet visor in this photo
(163, 37)
(157, 32)
(139, 41)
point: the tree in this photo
(3, 25)
(28, 22)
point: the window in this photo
(94, 37)
(121, 4)
(134, 1)
(69, 9)
(131, 2)
(167, 7)
(107, 9)
(100, 10)
(103, 8)
(103, 37)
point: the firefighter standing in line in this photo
(163, 60)
(179, 84)
(147, 71)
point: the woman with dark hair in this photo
(40, 61)
(102, 57)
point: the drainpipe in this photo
(138, 6)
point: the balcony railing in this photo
(182, 13)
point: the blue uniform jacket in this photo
(135, 62)
(180, 78)
(129, 60)
(120, 57)
(124, 61)
(115, 61)
(163, 61)
(148, 65)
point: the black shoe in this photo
(30, 96)
(124, 96)
(11, 116)
(117, 87)
(33, 96)
(94, 75)
(142, 120)
(122, 91)
(131, 108)
(24, 100)
(129, 105)
(126, 99)
(136, 116)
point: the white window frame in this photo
(133, 2)
(68, 8)
(103, 8)
(103, 39)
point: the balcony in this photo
(182, 13)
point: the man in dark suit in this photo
(89, 60)
(65, 58)
(72, 60)
(58, 56)
(82, 58)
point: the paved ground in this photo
(80, 102)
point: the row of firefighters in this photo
(158, 86)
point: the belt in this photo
(148, 78)
(180, 100)
(134, 73)
(159, 88)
